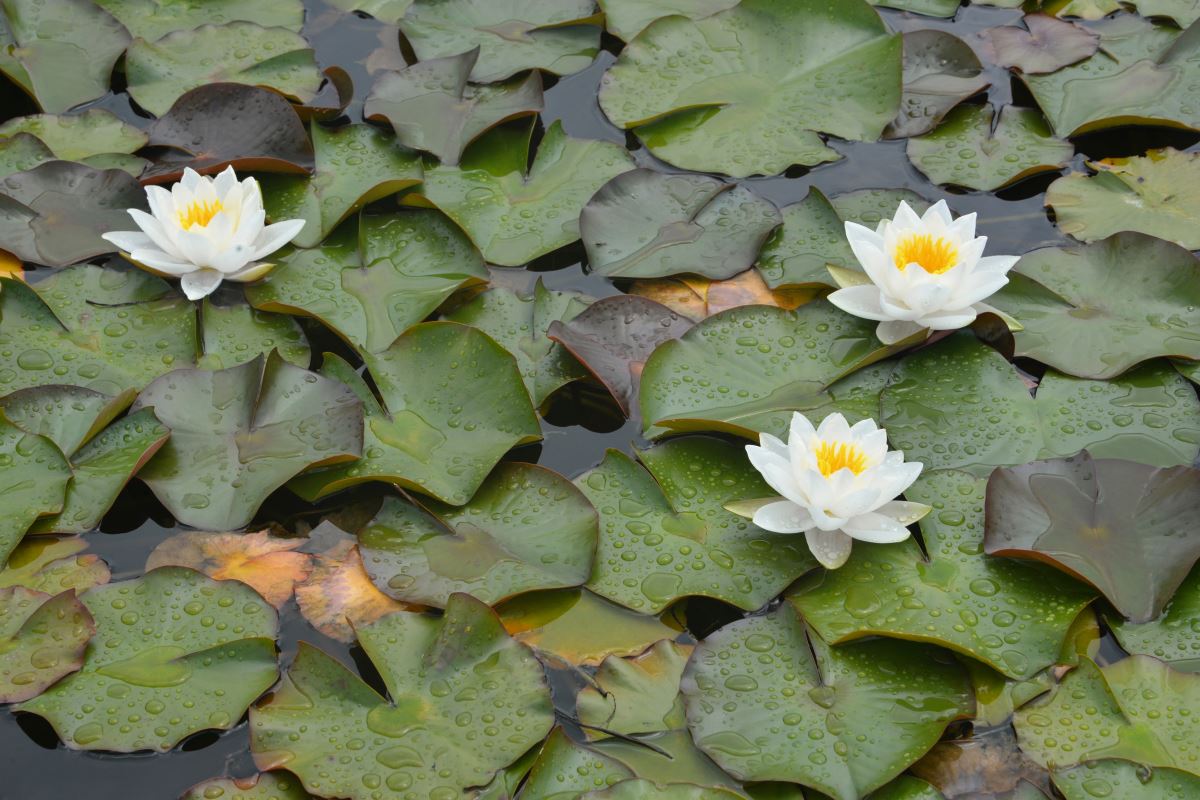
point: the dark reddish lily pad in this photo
(1126, 528)
(613, 338)
(42, 638)
(224, 124)
(1048, 44)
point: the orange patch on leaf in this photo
(263, 562)
(338, 594)
(698, 298)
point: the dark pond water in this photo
(34, 765)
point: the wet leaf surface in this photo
(989, 763)
(940, 71)
(265, 563)
(699, 298)
(52, 564)
(1173, 637)
(1045, 44)
(233, 333)
(338, 597)
(42, 638)
(636, 695)
(79, 136)
(566, 769)
(33, 482)
(153, 19)
(1112, 778)
(628, 18)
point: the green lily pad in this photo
(355, 165)
(1143, 74)
(627, 18)
(54, 213)
(1175, 636)
(389, 11)
(635, 695)
(236, 333)
(182, 653)
(1084, 312)
(1112, 778)
(153, 19)
(61, 52)
(1046, 44)
(433, 107)
(161, 71)
(1183, 12)
(967, 151)
(940, 71)
(906, 787)
(519, 325)
(930, 8)
(641, 789)
(647, 224)
(77, 136)
(525, 528)
(42, 639)
(1085, 9)
(102, 456)
(579, 627)
(861, 713)
(452, 405)
(1155, 194)
(33, 482)
(20, 152)
(53, 564)
(1076, 514)
(264, 786)
(716, 104)
(1136, 710)
(564, 770)
(372, 281)
(239, 434)
(665, 534)
(512, 35)
(961, 405)
(465, 702)
(514, 215)
(746, 370)
(1010, 615)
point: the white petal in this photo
(861, 301)
(904, 512)
(979, 289)
(801, 427)
(776, 471)
(939, 211)
(773, 444)
(276, 236)
(831, 548)
(927, 298)
(963, 228)
(157, 231)
(158, 261)
(224, 182)
(949, 322)
(783, 517)
(127, 241)
(877, 528)
(161, 204)
(191, 179)
(969, 255)
(201, 283)
(894, 330)
(996, 264)
(905, 217)
(892, 479)
(251, 272)
(834, 428)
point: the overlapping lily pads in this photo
(42, 638)
(265, 786)
(53, 564)
(94, 136)
(636, 695)
(940, 71)
(337, 598)
(628, 18)
(1175, 636)
(525, 528)
(269, 565)
(181, 653)
(745, 91)
(33, 481)
(153, 19)
(1112, 778)
(233, 333)
(665, 534)
(465, 701)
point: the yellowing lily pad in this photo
(53, 564)
(263, 562)
(525, 528)
(635, 695)
(338, 597)
(182, 653)
(746, 91)
(153, 19)
(665, 534)
(699, 298)
(465, 702)
(75, 137)
(42, 638)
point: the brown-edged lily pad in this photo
(1124, 527)
(265, 563)
(1044, 45)
(699, 298)
(42, 638)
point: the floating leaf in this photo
(1143, 74)
(813, 237)
(636, 695)
(1084, 311)
(1112, 778)
(566, 769)
(42, 639)
(236, 333)
(263, 562)
(515, 216)
(76, 137)
(613, 338)
(182, 653)
(1173, 637)
(222, 124)
(434, 108)
(1183, 12)
(102, 457)
(355, 165)
(1155, 194)
(1076, 514)
(932, 8)
(465, 702)
(33, 481)
(525, 528)
(373, 284)
(389, 11)
(906, 787)
(511, 35)
(162, 71)
(51, 564)
(153, 19)
(452, 405)
(665, 534)
(61, 52)
(940, 71)
(59, 210)
(987, 764)
(580, 627)
(699, 298)
(627, 18)
(239, 434)
(519, 325)
(1045, 44)
(967, 151)
(19, 152)
(647, 224)
(715, 104)
(338, 597)
(891, 701)
(1086, 9)
(640, 789)
(746, 370)
(1137, 709)
(1010, 615)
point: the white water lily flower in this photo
(837, 483)
(204, 231)
(926, 272)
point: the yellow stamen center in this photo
(199, 213)
(931, 253)
(832, 456)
